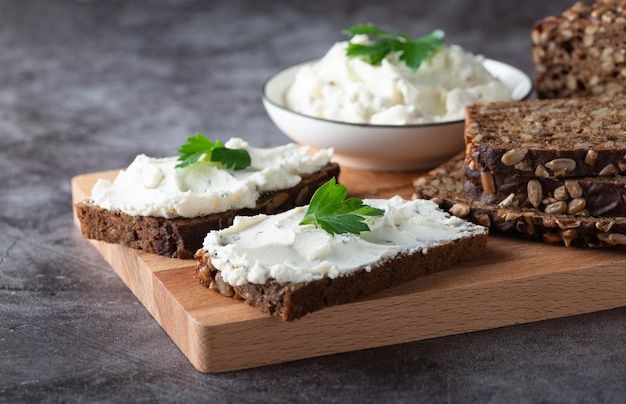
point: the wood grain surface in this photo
(515, 281)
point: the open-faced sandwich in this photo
(168, 205)
(333, 251)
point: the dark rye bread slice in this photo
(445, 186)
(591, 196)
(578, 137)
(182, 237)
(580, 51)
(292, 301)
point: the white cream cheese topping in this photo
(154, 187)
(258, 248)
(347, 89)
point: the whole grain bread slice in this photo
(182, 237)
(590, 196)
(578, 52)
(445, 186)
(292, 301)
(577, 137)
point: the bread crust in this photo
(289, 302)
(182, 237)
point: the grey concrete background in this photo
(87, 85)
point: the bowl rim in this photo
(281, 106)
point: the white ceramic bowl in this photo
(379, 147)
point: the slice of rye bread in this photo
(590, 196)
(579, 52)
(182, 237)
(292, 301)
(445, 186)
(577, 137)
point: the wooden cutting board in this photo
(515, 281)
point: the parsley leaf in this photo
(200, 148)
(336, 215)
(412, 51)
(232, 159)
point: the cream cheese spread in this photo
(258, 248)
(154, 187)
(347, 89)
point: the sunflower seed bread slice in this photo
(590, 196)
(445, 186)
(580, 51)
(577, 137)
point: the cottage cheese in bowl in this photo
(387, 116)
(349, 89)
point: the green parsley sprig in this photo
(412, 51)
(200, 148)
(336, 215)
